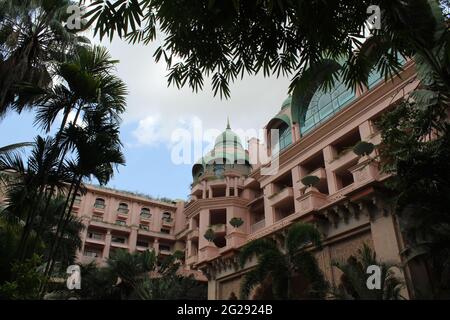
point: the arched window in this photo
(145, 213)
(324, 104)
(99, 203)
(284, 138)
(123, 208)
(218, 169)
(166, 216)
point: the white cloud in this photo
(148, 131)
(158, 109)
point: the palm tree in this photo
(354, 278)
(26, 181)
(9, 149)
(286, 263)
(140, 276)
(88, 85)
(33, 38)
(98, 151)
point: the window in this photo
(324, 104)
(144, 227)
(119, 239)
(164, 247)
(284, 137)
(144, 244)
(145, 213)
(218, 169)
(123, 208)
(166, 216)
(121, 222)
(97, 218)
(91, 253)
(77, 199)
(95, 235)
(165, 230)
(99, 203)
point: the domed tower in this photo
(228, 154)
(218, 196)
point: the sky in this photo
(157, 116)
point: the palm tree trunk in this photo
(62, 223)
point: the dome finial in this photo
(228, 123)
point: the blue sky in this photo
(155, 111)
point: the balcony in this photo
(219, 229)
(165, 251)
(122, 213)
(167, 222)
(193, 234)
(99, 208)
(146, 217)
(96, 218)
(311, 200)
(342, 160)
(192, 260)
(96, 239)
(258, 226)
(282, 197)
(367, 170)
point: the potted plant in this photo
(210, 235)
(236, 222)
(363, 148)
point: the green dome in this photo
(286, 103)
(228, 148)
(228, 138)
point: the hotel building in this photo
(347, 205)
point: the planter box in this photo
(311, 200)
(365, 171)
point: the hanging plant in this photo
(310, 181)
(210, 235)
(363, 148)
(236, 222)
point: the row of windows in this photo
(123, 208)
(95, 253)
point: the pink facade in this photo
(347, 204)
(118, 220)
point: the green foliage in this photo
(416, 150)
(27, 281)
(139, 276)
(32, 39)
(282, 265)
(354, 278)
(236, 222)
(363, 148)
(210, 235)
(310, 181)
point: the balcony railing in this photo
(167, 221)
(123, 210)
(286, 194)
(146, 216)
(258, 225)
(219, 228)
